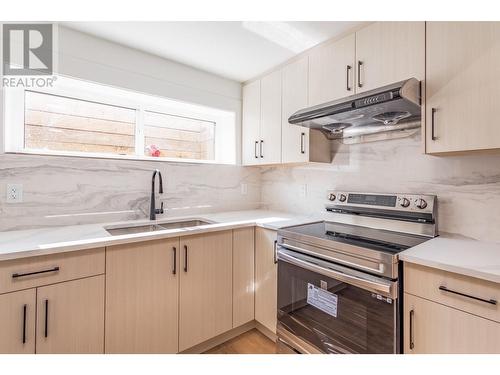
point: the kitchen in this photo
(333, 193)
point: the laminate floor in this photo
(251, 342)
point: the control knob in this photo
(331, 197)
(405, 202)
(342, 197)
(421, 203)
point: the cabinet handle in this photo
(348, 70)
(433, 135)
(261, 148)
(46, 333)
(24, 323)
(174, 270)
(185, 258)
(17, 275)
(490, 301)
(302, 143)
(412, 338)
(360, 63)
(255, 149)
(275, 251)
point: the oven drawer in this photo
(35, 271)
(475, 296)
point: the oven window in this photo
(361, 321)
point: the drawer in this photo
(32, 272)
(462, 292)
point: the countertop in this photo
(50, 240)
(454, 253)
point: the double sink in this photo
(188, 223)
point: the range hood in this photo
(389, 108)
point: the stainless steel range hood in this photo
(389, 108)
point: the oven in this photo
(324, 307)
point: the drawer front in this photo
(31, 272)
(465, 293)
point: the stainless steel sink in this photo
(155, 227)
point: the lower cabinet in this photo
(266, 278)
(142, 281)
(243, 276)
(432, 328)
(205, 298)
(17, 322)
(70, 317)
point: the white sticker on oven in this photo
(322, 299)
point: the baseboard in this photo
(226, 336)
(266, 331)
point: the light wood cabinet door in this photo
(331, 71)
(295, 139)
(389, 52)
(142, 287)
(251, 124)
(70, 317)
(462, 86)
(17, 322)
(243, 276)
(206, 303)
(270, 124)
(266, 278)
(432, 328)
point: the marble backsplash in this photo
(67, 191)
(467, 186)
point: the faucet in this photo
(154, 211)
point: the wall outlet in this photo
(303, 191)
(244, 189)
(14, 193)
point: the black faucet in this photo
(154, 211)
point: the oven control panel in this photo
(400, 202)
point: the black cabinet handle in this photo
(359, 73)
(261, 148)
(275, 250)
(348, 70)
(46, 333)
(412, 338)
(17, 275)
(255, 149)
(24, 323)
(490, 301)
(174, 270)
(302, 143)
(433, 135)
(185, 258)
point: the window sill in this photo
(116, 157)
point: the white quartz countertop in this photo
(50, 240)
(458, 254)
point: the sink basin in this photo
(155, 227)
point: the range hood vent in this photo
(389, 108)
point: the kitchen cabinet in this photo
(266, 278)
(142, 281)
(332, 71)
(251, 124)
(430, 328)
(205, 298)
(388, 52)
(243, 276)
(462, 86)
(17, 322)
(70, 317)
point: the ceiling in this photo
(235, 50)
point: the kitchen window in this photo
(79, 118)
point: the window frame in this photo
(14, 119)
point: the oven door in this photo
(335, 309)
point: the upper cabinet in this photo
(388, 52)
(462, 86)
(331, 71)
(295, 139)
(251, 124)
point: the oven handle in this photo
(386, 289)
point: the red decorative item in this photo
(153, 150)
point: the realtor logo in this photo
(27, 49)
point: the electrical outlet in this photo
(14, 193)
(303, 190)
(244, 189)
